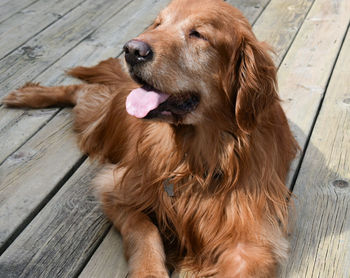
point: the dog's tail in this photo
(108, 72)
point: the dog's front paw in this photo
(148, 274)
(31, 95)
(25, 96)
(15, 99)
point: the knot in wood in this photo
(347, 101)
(340, 183)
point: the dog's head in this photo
(200, 61)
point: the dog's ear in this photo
(254, 86)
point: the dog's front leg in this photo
(248, 260)
(142, 244)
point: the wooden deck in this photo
(50, 223)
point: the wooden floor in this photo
(50, 223)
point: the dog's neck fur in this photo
(200, 161)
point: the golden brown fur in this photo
(227, 160)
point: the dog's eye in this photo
(196, 34)
(156, 24)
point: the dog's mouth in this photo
(147, 102)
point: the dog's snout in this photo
(137, 52)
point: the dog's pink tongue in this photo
(139, 102)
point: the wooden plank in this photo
(305, 71)
(25, 24)
(29, 175)
(250, 8)
(279, 24)
(56, 243)
(321, 237)
(10, 7)
(45, 48)
(14, 123)
(108, 260)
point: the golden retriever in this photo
(196, 145)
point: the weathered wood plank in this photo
(108, 260)
(23, 25)
(321, 237)
(250, 8)
(56, 243)
(305, 71)
(279, 24)
(45, 48)
(13, 124)
(29, 175)
(10, 7)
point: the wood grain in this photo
(48, 46)
(11, 7)
(250, 8)
(321, 237)
(57, 242)
(108, 260)
(13, 126)
(305, 71)
(23, 25)
(279, 24)
(29, 175)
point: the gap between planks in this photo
(307, 140)
(10, 7)
(30, 22)
(320, 240)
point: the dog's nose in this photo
(137, 52)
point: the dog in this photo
(195, 145)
